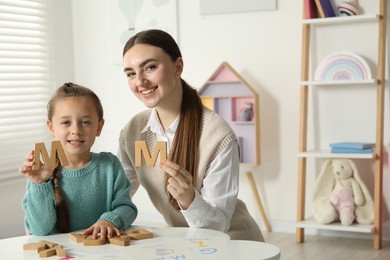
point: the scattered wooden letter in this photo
(122, 240)
(60, 251)
(79, 238)
(139, 234)
(89, 241)
(46, 248)
(48, 252)
(34, 246)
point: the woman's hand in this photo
(179, 184)
(35, 176)
(104, 227)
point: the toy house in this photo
(228, 94)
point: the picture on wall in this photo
(209, 7)
(131, 16)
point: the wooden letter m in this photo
(56, 152)
(141, 148)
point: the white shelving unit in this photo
(312, 223)
(376, 157)
(328, 154)
(339, 82)
(342, 19)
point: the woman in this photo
(198, 185)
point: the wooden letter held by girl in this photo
(141, 147)
(56, 152)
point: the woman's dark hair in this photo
(185, 148)
(65, 91)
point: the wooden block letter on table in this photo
(49, 244)
(139, 234)
(122, 240)
(60, 251)
(79, 238)
(34, 246)
(47, 252)
(56, 152)
(142, 148)
(89, 241)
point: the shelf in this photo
(222, 82)
(328, 154)
(336, 226)
(342, 19)
(339, 82)
(243, 122)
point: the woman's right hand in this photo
(35, 176)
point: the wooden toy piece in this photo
(34, 246)
(139, 234)
(122, 240)
(142, 148)
(47, 252)
(79, 238)
(60, 251)
(56, 152)
(89, 241)
(46, 248)
(49, 244)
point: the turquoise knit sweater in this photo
(98, 191)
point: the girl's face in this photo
(152, 75)
(75, 124)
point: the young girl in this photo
(90, 193)
(200, 184)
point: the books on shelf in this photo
(352, 147)
(310, 9)
(350, 150)
(319, 8)
(327, 6)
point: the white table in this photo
(186, 242)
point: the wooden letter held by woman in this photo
(141, 147)
(56, 152)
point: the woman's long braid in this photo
(62, 224)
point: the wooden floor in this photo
(325, 247)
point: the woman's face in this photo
(152, 75)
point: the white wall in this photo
(264, 47)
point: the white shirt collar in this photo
(156, 127)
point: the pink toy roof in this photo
(226, 73)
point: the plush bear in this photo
(340, 194)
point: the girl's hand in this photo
(38, 176)
(104, 227)
(179, 184)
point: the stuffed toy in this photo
(340, 194)
(247, 112)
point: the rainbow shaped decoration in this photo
(348, 8)
(343, 66)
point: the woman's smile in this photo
(148, 91)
